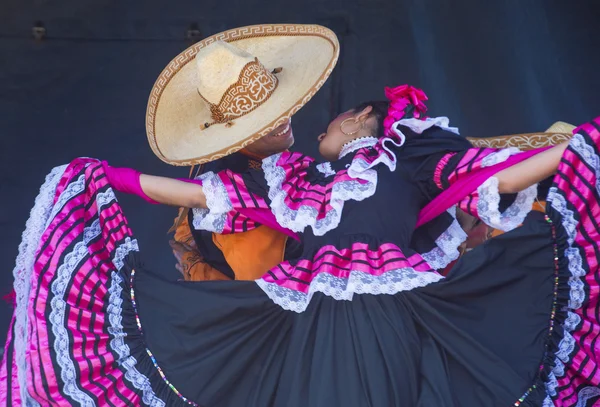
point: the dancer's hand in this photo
(125, 180)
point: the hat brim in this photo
(556, 134)
(307, 54)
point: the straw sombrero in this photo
(230, 89)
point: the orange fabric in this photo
(183, 233)
(194, 269)
(249, 254)
(253, 253)
(190, 261)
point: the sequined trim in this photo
(552, 314)
(152, 358)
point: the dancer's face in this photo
(275, 142)
(355, 125)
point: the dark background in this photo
(494, 67)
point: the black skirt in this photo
(477, 338)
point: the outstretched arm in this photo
(169, 191)
(156, 190)
(531, 171)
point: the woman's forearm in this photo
(531, 171)
(169, 191)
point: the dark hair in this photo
(379, 112)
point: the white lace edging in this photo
(57, 315)
(325, 169)
(499, 156)
(214, 217)
(576, 288)
(117, 343)
(304, 216)
(23, 272)
(420, 125)
(355, 145)
(358, 282)
(488, 206)
(575, 263)
(548, 402)
(56, 319)
(589, 156)
(447, 244)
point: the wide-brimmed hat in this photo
(230, 89)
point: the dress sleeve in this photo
(229, 196)
(289, 193)
(500, 211)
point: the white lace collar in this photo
(357, 144)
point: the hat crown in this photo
(232, 82)
(218, 67)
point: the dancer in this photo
(361, 317)
(203, 255)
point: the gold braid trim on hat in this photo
(522, 141)
(254, 87)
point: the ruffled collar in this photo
(357, 144)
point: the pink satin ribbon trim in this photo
(266, 217)
(467, 185)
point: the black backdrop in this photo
(493, 67)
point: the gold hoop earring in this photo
(362, 125)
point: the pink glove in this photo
(126, 180)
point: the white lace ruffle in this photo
(548, 402)
(588, 155)
(499, 156)
(325, 169)
(73, 189)
(420, 125)
(105, 198)
(117, 342)
(23, 272)
(304, 216)
(358, 282)
(488, 206)
(56, 319)
(357, 144)
(214, 217)
(586, 394)
(447, 244)
(575, 263)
